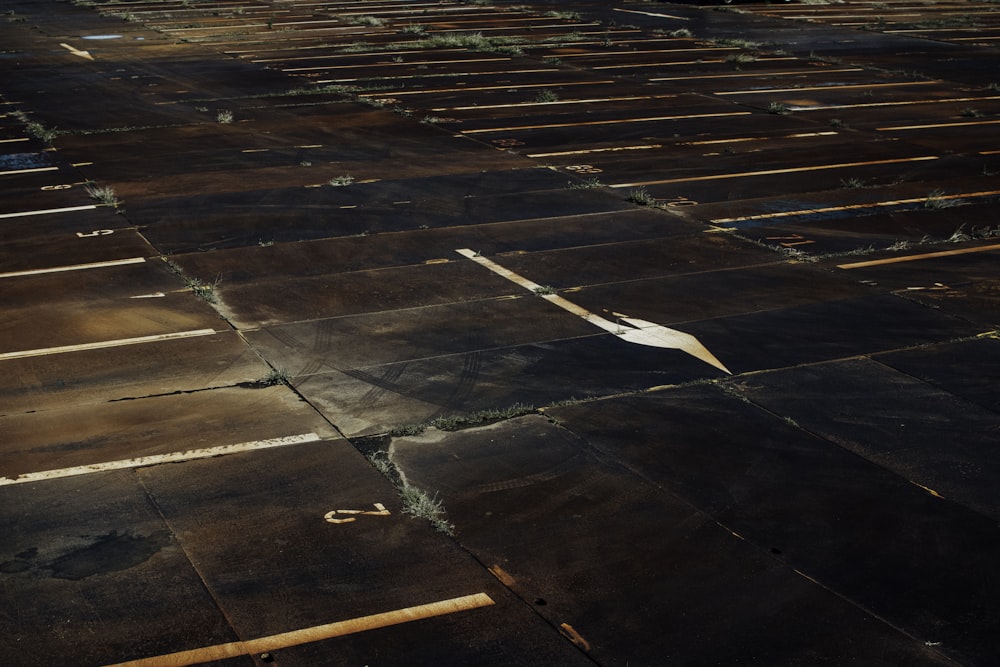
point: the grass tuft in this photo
(104, 194)
(341, 181)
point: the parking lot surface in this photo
(466, 332)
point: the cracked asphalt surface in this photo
(375, 333)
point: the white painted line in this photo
(650, 119)
(314, 634)
(892, 104)
(767, 91)
(850, 207)
(639, 331)
(28, 171)
(685, 62)
(557, 102)
(74, 267)
(660, 16)
(77, 52)
(434, 91)
(69, 209)
(770, 172)
(156, 459)
(914, 258)
(896, 128)
(103, 344)
(744, 75)
(10, 141)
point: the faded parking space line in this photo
(315, 633)
(771, 172)
(914, 258)
(69, 209)
(106, 343)
(173, 457)
(74, 267)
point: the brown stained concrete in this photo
(82, 434)
(665, 513)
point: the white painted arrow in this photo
(77, 52)
(638, 331)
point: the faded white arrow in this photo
(637, 331)
(77, 52)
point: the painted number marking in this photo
(334, 516)
(584, 169)
(96, 232)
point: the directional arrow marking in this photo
(77, 52)
(638, 331)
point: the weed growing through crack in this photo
(779, 108)
(587, 184)
(419, 505)
(969, 112)
(936, 200)
(413, 29)
(225, 117)
(341, 181)
(544, 290)
(680, 32)
(546, 95)
(852, 183)
(104, 194)
(641, 197)
(276, 376)
(202, 289)
(367, 20)
(837, 123)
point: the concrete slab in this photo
(852, 526)
(298, 570)
(968, 369)
(81, 435)
(539, 505)
(88, 563)
(910, 432)
(102, 375)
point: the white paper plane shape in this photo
(637, 331)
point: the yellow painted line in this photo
(535, 104)
(850, 207)
(311, 146)
(934, 125)
(799, 135)
(893, 104)
(597, 150)
(28, 171)
(74, 267)
(744, 75)
(916, 258)
(105, 344)
(769, 172)
(649, 119)
(69, 209)
(682, 62)
(441, 76)
(989, 152)
(315, 633)
(767, 91)
(156, 459)
(391, 64)
(462, 89)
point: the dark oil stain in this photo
(109, 553)
(20, 562)
(14, 566)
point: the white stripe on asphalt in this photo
(173, 457)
